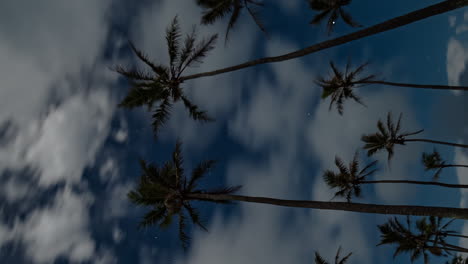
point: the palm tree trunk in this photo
(449, 212)
(417, 86)
(453, 235)
(440, 8)
(448, 185)
(450, 247)
(451, 166)
(435, 142)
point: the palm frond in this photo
(200, 51)
(195, 216)
(183, 237)
(133, 74)
(173, 43)
(215, 10)
(319, 259)
(141, 94)
(157, 68)
(194, 112)
(199, 172)
(348, 19)
(160, 115)
(152, 217)
(236, 9)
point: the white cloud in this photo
(117, 234)
(277, 109)
(456, 59)
(59, 230)
(65, 142)
(108, 172)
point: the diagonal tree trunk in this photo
(436, 9)
(435, 142)
(449, 212)
(417, 86)
(448, 185)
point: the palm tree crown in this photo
(348, 178)
(217, 9)
(429, 232)
(340, 85)
(320, 260)
(433, 161)
(165, 189)
(333, 9)
(163, 84)
(386, 137)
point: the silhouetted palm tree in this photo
(333, 9)
(349, 179)
(387, 137)
(433, 161)
(341, 84)
(163, 84)
(429, 239)
(217, 9)
(167, 191)
(436, 9)
(164, 188)
(320, 260)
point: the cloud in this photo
(276, 110)
(58, 230)
(71, 135)
(456, 59)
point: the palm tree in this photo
(167, 191)
(341, 84)
(163, 84)
(349, 179)
(333, 9)
(430, 238)
(436, 9)
(387, 137)
(433, 161)
(217, 9)
(320, 260)
(164, 189)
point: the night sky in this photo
(69, 155)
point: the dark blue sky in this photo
(68, 155)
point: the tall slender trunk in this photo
(454, 235)
(417, 86)
(435, 142)
(449, 212)
(451, 166)
(450, 247)
(440, 8)
(448, 185)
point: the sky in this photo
(69, 155)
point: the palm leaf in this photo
(199, 172)
(158, 69)
(194, 112)
(173, 45)
(160, 115)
